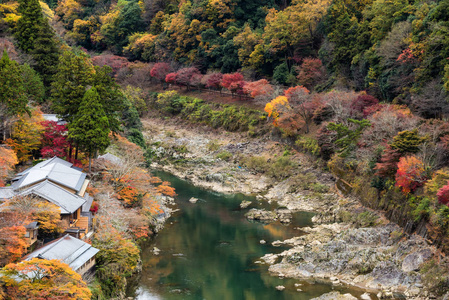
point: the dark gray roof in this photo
(54, 169)
(32, 225)
(68, 249)
(65, 200)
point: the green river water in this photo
(209, 250)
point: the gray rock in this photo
(335, 296)
(245, 204)
(413, 261)
(261, 215)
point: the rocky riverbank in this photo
(349, 244)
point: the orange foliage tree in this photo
(12, 238)
(8, 159)
(410, 174)
(43, 279)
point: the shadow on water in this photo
(209, 250)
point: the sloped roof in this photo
(65, 200)
(6, 193)
(110, 158)
(54, 169)
(87, 205)
(68, 249)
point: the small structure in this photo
(79, 255)
(31, 233)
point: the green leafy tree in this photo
(34, 87)
(347, 137)
(90, 127)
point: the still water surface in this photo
(209, 250)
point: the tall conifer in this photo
(90, 127)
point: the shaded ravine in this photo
(210, 251)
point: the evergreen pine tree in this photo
(45, 52)
(12, 92)
(34, 88)
(74, 74)
(13, 100)
(90, 127)
(28, 25)
(111, 97)
(36, 37)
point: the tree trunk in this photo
(90, 163)
(70, 152)
(76, 152)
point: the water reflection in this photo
(209, 249)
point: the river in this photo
(210, 251)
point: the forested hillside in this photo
(397, 50)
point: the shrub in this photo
(308, 144)
(225, 155)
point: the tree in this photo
(74, 74)
(45, 53)
(114, 61)
(26, 134)
(117, 259)
(28, 25)
(443, 194)
(29, 208)
(233, 82)
(34, 87)
(170, 78)
(8, 159)
(347, 137)
(363, 101)
(43, 279)
(213, 80)
(258, 88)
(13, 99)
(90, 127)
(302, 103)
(280, 73)
(54, 140)
(311, 72)
(160, 71)
(111, 96)
(36, 37)
(12, 238)
(388, 164)
(184, 76)
(410, 174)
(407, 141)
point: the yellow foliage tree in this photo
(26, 134)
